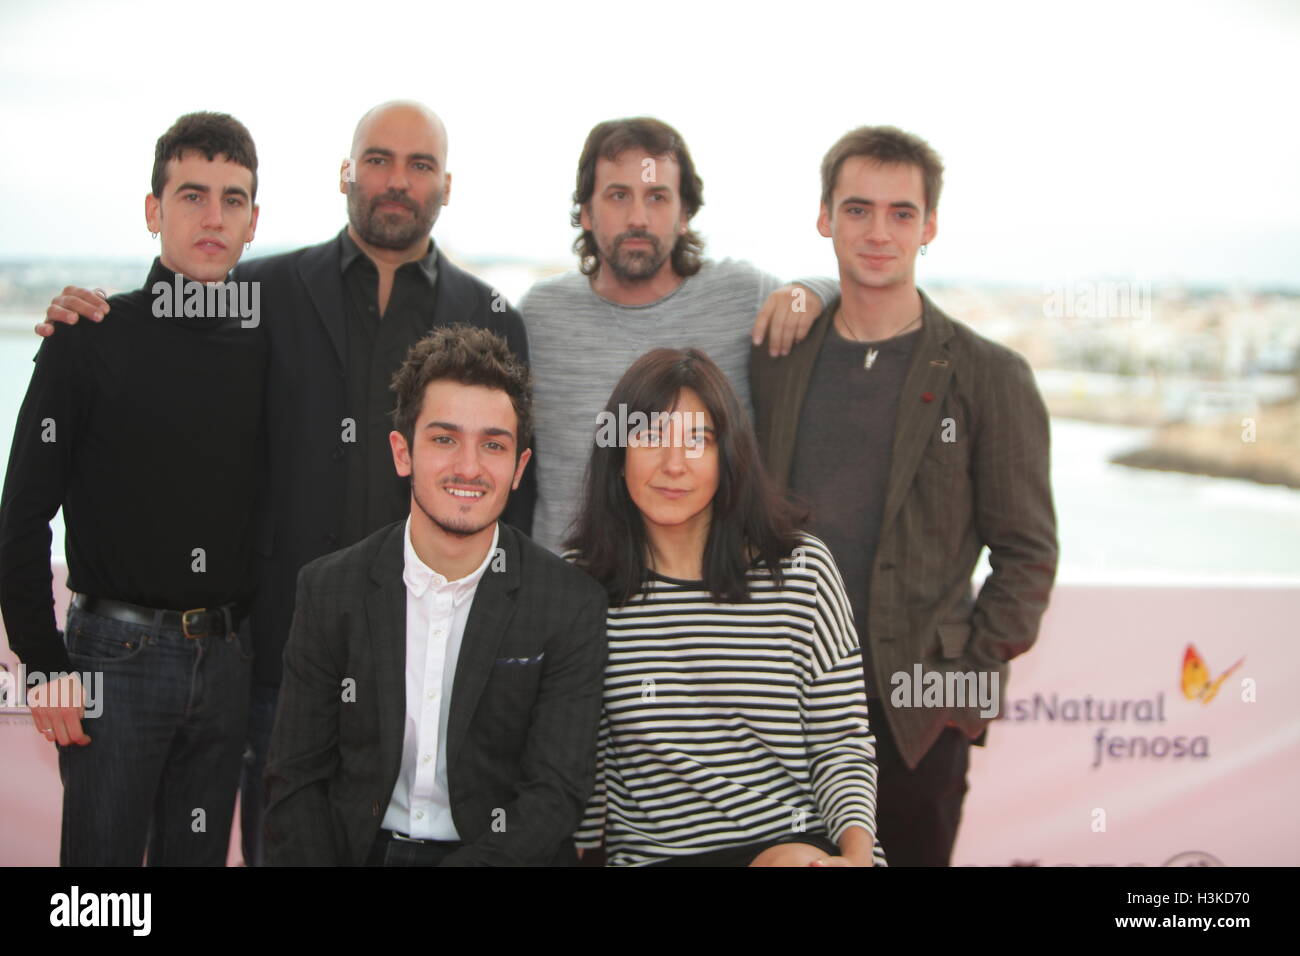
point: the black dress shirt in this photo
(376, 347)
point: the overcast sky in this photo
(1099, 140)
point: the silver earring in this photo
(248, 244)
(153, 235)
(923, 248)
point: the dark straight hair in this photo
(751, 523)
(212, 135)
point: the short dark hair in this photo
(470, 356)
(884, 144)
(751, 523)
(609, 140)
(213, 135)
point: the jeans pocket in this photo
(115, 645)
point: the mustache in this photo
(637, 234)
(395, 197)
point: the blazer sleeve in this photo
(304, 751)
(558, 766)
(1014, 515)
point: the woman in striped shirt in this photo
(735, 722)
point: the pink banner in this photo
(1149, 726)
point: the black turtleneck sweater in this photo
(147, 431)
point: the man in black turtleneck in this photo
(146, 431)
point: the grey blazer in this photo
(945, 501)
(525, 704)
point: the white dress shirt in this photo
(436, 612)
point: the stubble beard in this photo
(457, 530)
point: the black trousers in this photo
(918, 811)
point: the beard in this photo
(457, 527)
(635, 265)
(391, 230)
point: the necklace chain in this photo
(869, 359)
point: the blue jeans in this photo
(161, 771)
(252, 784)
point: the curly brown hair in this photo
(471, 356)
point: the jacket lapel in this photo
(386, 622)
(320, 272)
(792, 390)
(494, 605)
(919, 405)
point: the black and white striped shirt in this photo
(728, 724)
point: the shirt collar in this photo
(351, 252)
(419, 577)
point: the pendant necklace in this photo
(869, 359)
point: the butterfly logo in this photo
(1196, 677)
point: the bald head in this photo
(396, 180)
(413, 117)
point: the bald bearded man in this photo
(340, 318)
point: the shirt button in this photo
(431, 694)
(427, 757)
(419, 814)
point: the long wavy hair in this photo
(751, 523)
(609, 140)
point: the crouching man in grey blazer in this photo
(442, 678)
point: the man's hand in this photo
(57, 708)
(72, 304)
(786, 317)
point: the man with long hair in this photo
(641, 283)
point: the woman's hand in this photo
(793, 854)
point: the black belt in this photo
(389, 835)
(194, 623)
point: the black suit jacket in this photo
(306, 401)
(526, 700)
